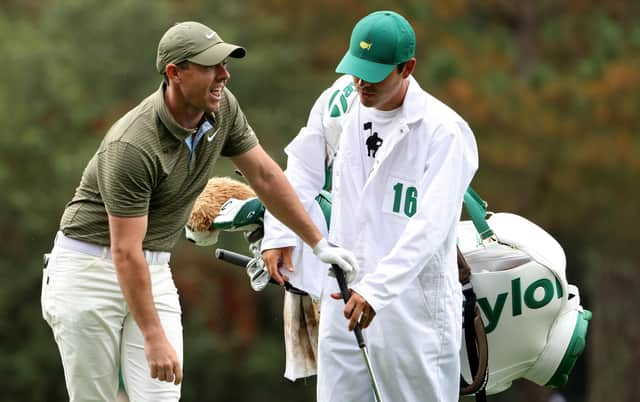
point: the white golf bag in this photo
(534, 324)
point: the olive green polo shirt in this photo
(144, 166)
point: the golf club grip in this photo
(232, 258)
(344, 290)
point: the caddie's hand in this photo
(357, 310)
(163, 360)
(277, 258)
(343, 258)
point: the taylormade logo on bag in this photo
(537, 295)
(338, 105)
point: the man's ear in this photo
(409, 67)
(171, 72)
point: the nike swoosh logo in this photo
(210, 35)
(210, 137)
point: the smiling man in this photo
(108, 293)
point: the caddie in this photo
(108, 293)
(400, 161)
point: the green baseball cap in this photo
(379, 42)
(196, 43)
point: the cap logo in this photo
(210, 35)
(364, 45)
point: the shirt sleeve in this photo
(125, 177)
(451, 164)
(241, 137)
(306, 173)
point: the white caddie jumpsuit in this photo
(400, 221)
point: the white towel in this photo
(301, 321)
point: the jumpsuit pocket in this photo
(45, 285)
(430, 286)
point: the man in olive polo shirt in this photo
(108, 293)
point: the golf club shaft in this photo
(374, 383)
(344, 290)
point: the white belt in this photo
(62, 241)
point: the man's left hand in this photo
(277, 258)
(357, 310)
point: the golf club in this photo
(259, 277)
(357, 331)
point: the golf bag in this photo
(534, 325)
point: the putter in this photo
(357, 331)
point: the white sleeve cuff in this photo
(278, 243)
(368, 292)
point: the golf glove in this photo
(343, 258)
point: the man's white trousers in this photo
(413, 345)
(95, 332)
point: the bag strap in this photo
(476, 207)
(474, 333)
(474, 336)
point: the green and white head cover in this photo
(240, 215)
(202, 239)
(235, 215)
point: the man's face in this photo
(384, 95)
(202, 86)
(387, 94)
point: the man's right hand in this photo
(274, 259)
(163, 360)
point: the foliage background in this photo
(549, 87)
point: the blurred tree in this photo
(550, 89)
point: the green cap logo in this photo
(379, 42)
(196, 43)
